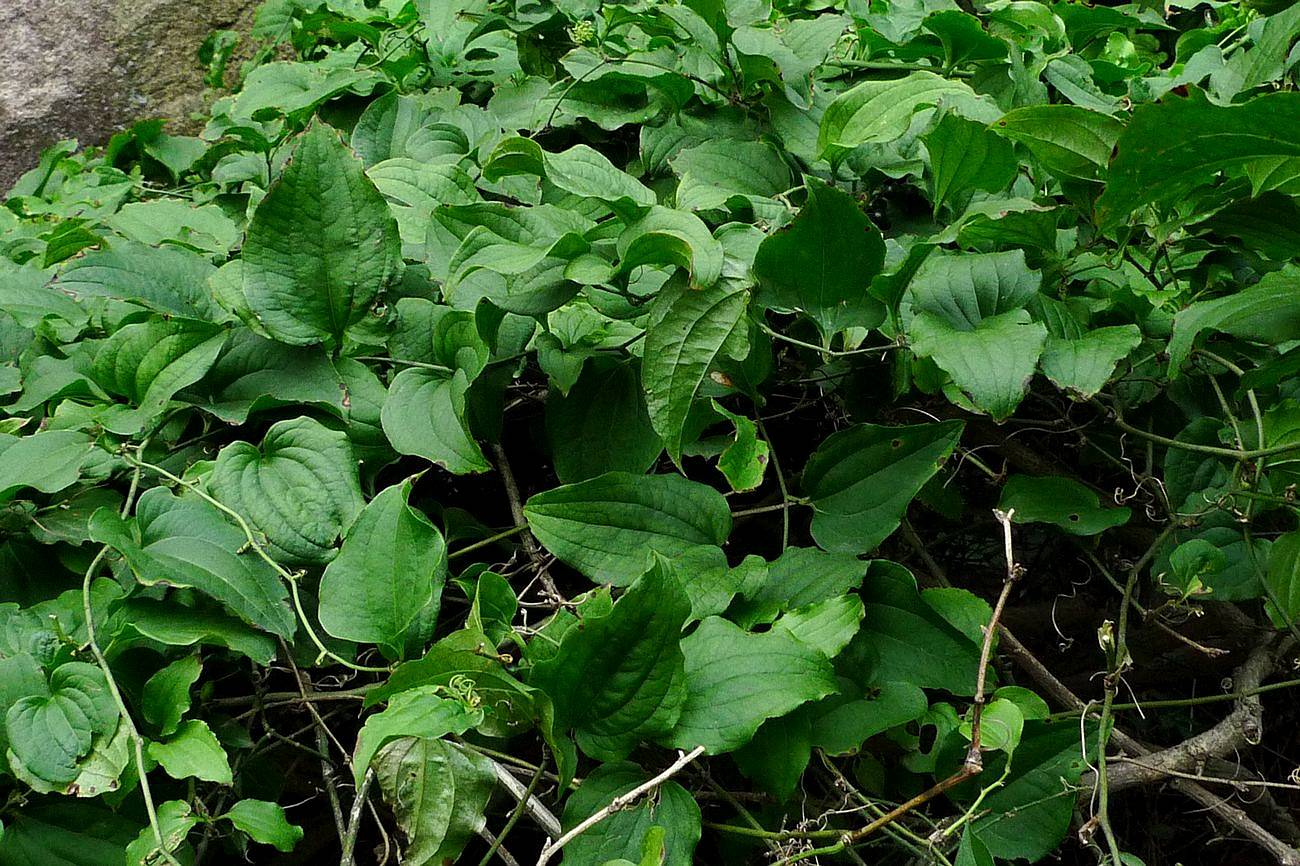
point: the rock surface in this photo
(84, 69)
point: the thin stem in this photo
(123, 712)
(780, 483)
(617, 804)
(518, 812)
(491, 539)
(834, 353)
(784, 505)
(354, 820)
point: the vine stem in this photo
(354, 819)
(279, 569)
(123, 712)
(622, 801)
(973, 765)
(517, 813)
(834, 353)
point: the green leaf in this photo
(778, 754)
(421, 712)
(172, 626)
(193, 752)
(618, 678)
(840, 727)
(1030, 814)
(965, 156)
(609, 526)
(801, 576)
(289, 88)
(744, 460)
(1282, 578)
(827, 625)
(321, 246)
(860, 480)
(425, 415)
(679, 349)
(147, 363)
(1062, 502)
(51, 733)
(47, 461)
(877, 112)
(387, 576)
(713, 173)
(155, 222)
(299, 489)
(903, 639)
(1069, 141)
(605, 411)
(1171, 146)
(579, 171)
(991, 363)
(824, 262)
(1083, 365)
(438, 792)
(265, 822)
(624, 832)
(963, 290)
(672, 237)
(971, 851)
(166, 695)
(1265, 313)
(188, 543)
(176, 819)
(735, 680)
(65, 834)
(166, 280)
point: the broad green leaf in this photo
(1069, 141)
(1282, 577)
(193, 752)
(421, 712)
(186, 542)
(991, 364)
(963, 290)
(623, 833)
(176, 819)
(605, 411)
(840, 727)
(735, 680)
(1030, 814)
(322, 245)
(712, 173)
(1171, 146)
(388, 574)
(51, 733)
(25, 295)
(47, 461)
(827, 626)
(618, 678)
(264, 822)
(289, 88)
(1083, 365)
(903, 639)
(166, 280)
(860, 480)
(672, 237)
(149, 362)
(801, 576)
(744, 460)
(425, 415)
(438, 792)
(1062, 502)
(171, 626)
(778, 754)
(155, 222)
(299, 489)
(64, 833)
(679, 349)
(971, 851)
(166, 695)
(609, 526)
(1265, 312)
(580, 171)
(965, 156)
(877, 112)
(824, 262)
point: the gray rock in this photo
(84, 69)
